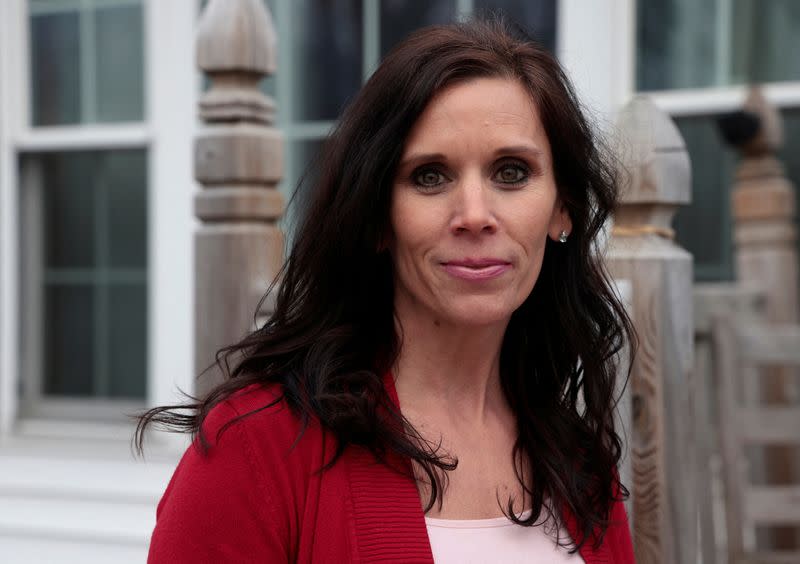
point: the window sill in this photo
(89, 441)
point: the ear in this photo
(559, 221)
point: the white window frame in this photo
(599, 51)
(597, 47)
(711, 100)
(704, 101)
(171, 90)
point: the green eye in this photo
(428, 178)
(511, 174)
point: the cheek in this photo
(411, 226)
(403, 241)
(532, 228)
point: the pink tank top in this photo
(495, 540)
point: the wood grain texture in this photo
(660, 273)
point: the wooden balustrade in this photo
(741, 351)
(238, 162)
(765, 239)
(746, 306)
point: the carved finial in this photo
(236, 49)
(756, 130)
(763, 198)
(656, 175)
(770, 133)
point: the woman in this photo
(437, 380)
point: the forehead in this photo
(483, 111)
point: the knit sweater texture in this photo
(258, 495)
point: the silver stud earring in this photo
(562, 237)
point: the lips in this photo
(476, 269)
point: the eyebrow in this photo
(520, 149)
(415, 158)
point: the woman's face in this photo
(473, 203)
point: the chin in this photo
(480, 313)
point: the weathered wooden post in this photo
(656, 180)
(238, 161)
(764, 214)
(765, 236)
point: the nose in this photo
(473, 211)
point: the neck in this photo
(443, 368)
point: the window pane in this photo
(95, 206)
(268, 85)
(120, 72)
(326, 50)
(537, 17)
(55, 69)
(69, 341)
(401, 17)
(790, 152)
(69, 192)
(790, 155)
(689, 44)
(125, 179)
(704, 227)
(769, 48)
(127, 346)
(302, 154)
(84, 247)
(87, 61)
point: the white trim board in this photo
(681, 103)
(171, 98)
(596, 45)
(84, 137)
(11, 64)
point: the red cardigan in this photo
(254, 498)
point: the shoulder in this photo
(256, 426)
(257, 412)
(237, 495)
(240, 437)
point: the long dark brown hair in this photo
(333, 336)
